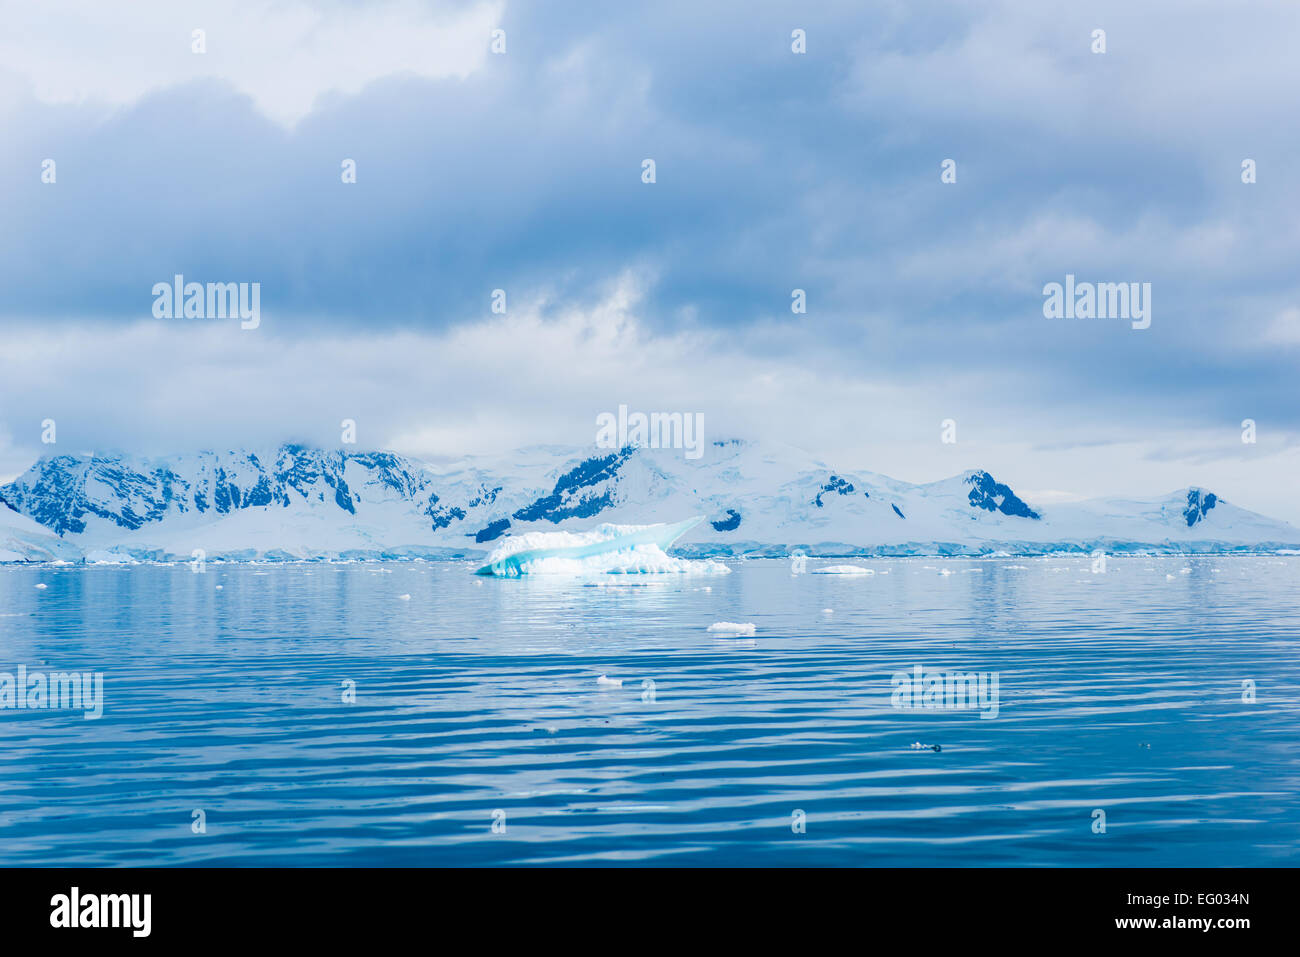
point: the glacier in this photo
(24, 540)
(758, 499)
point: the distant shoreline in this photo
(767, 553)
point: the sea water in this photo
(310, 714)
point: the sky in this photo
(775, 170)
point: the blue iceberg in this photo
(605, 549)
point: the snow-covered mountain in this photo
(295, 502)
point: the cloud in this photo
(542, 373)
(1285, 328)
(776, 171)
(283, 55)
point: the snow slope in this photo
(23, 540)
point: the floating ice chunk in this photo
(732, 628)
(1169, 578)
(219, 587)
(944, 571)
(844, 570)
(606, 682)
(403, 597)
(828, 612)
(606, 549)
(42, 585)
(1185, 571)
(642, 560)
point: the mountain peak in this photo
(991, 495)
(1199, 503)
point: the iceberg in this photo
(732, 628)
(605, 549)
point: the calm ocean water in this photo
(477, 702)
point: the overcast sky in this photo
(774, 171)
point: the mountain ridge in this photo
(295, 501)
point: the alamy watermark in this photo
(179, 299)
(946, 691)
(658, 430)
(1101, 300)
(59, 690)
(76, 909)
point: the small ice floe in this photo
(732, 628)
(604, 681)
(844, 570)
(42, 585)
(1169, 578)
(944, 571)
(1184, 571)
(828, 612)
(918, 746)
(403, 597)
(219, 587)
